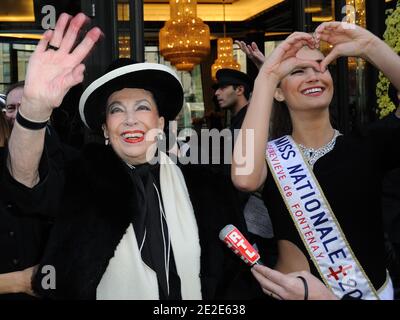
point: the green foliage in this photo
(392, 38)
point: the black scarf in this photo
(151, 230)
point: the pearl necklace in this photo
(312, 155)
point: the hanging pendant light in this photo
(184, 39)
(225, 58)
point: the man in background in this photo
(232, 92)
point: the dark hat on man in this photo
(159, 79)
(226, 77)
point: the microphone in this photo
(234, 239)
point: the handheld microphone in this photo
(234, 239)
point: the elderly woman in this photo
(128, 227)
(322, 188)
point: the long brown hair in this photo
(4, 130)
(281, 123)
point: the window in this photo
(5, 78)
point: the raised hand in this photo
(283, 59)
(289, 287)
(252, 52)
(56, 66)
(347, 40)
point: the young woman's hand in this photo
(283, 59)
(252, 52)
(56, 66)
(289, 286)
(347, 40)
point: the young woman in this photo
(322, 189)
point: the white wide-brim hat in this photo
(159, 79)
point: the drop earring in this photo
(160, 136)
(107, 142)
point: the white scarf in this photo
(127, 277)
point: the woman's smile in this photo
(313, 91)
(133, 136)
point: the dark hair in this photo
(392, 93)
(246, 90)
(281, 123)
(4, 130)
(19, 84)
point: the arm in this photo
(50, 74)
(17, 282)
(252, 52)
(249, 169)
(354, 41)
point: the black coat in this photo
(23, 229)
(25, 221)
(96, 209)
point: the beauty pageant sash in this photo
(316, 222)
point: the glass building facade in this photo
(21, 23)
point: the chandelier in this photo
(225, 58)
(184, 39)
